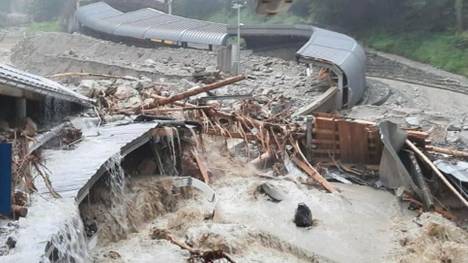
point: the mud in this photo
(251, 228)
(432, 238)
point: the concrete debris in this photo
(271, 191)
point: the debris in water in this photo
(303, 217)
(196, 256)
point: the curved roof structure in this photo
(150, 24)
(342, 51)
(14, 78)
(323, 45)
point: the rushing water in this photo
(119, 198)
(166, 150)
(70, 245)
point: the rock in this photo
(11, 242)
(452, 137)
(143, 83)
(272, 191)
(131, 102)
(413, 121)
(113, 255)
(454, 127)
(149, 62)
(303, 216)
(87, 87)
(123, 92)
(463, 136)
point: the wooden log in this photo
(197, 90)
(202, 166)
(312, 172)
(436, 170)
(84, 74)
(159, 110)
(453, 152)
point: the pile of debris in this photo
(403, 159)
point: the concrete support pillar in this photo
(20, 109)
(225, 59)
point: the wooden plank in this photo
(202, 166)
(353, 142)
(312, 172)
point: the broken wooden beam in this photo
(312, 172)
(452, 152)
(202, 166)
(436, 170)
(196, 90)
(84, 74)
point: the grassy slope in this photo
(445, 50)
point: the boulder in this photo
(132, 102)
(125, 92)
(303, 216)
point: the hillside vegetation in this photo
(430, 31)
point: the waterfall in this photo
(69, 245)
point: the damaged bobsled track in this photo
(160, 153)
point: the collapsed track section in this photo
(341, 54)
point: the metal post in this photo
(169, 7)
(238, 38)
(236, 67)
(5, 180)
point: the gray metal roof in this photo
(72, 170)
(323, 46)
(14, 78)
(273, 30)
(344, 52)
(150, 24)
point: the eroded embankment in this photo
(245, 223)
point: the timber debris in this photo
(196, 256)
(316, 143)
